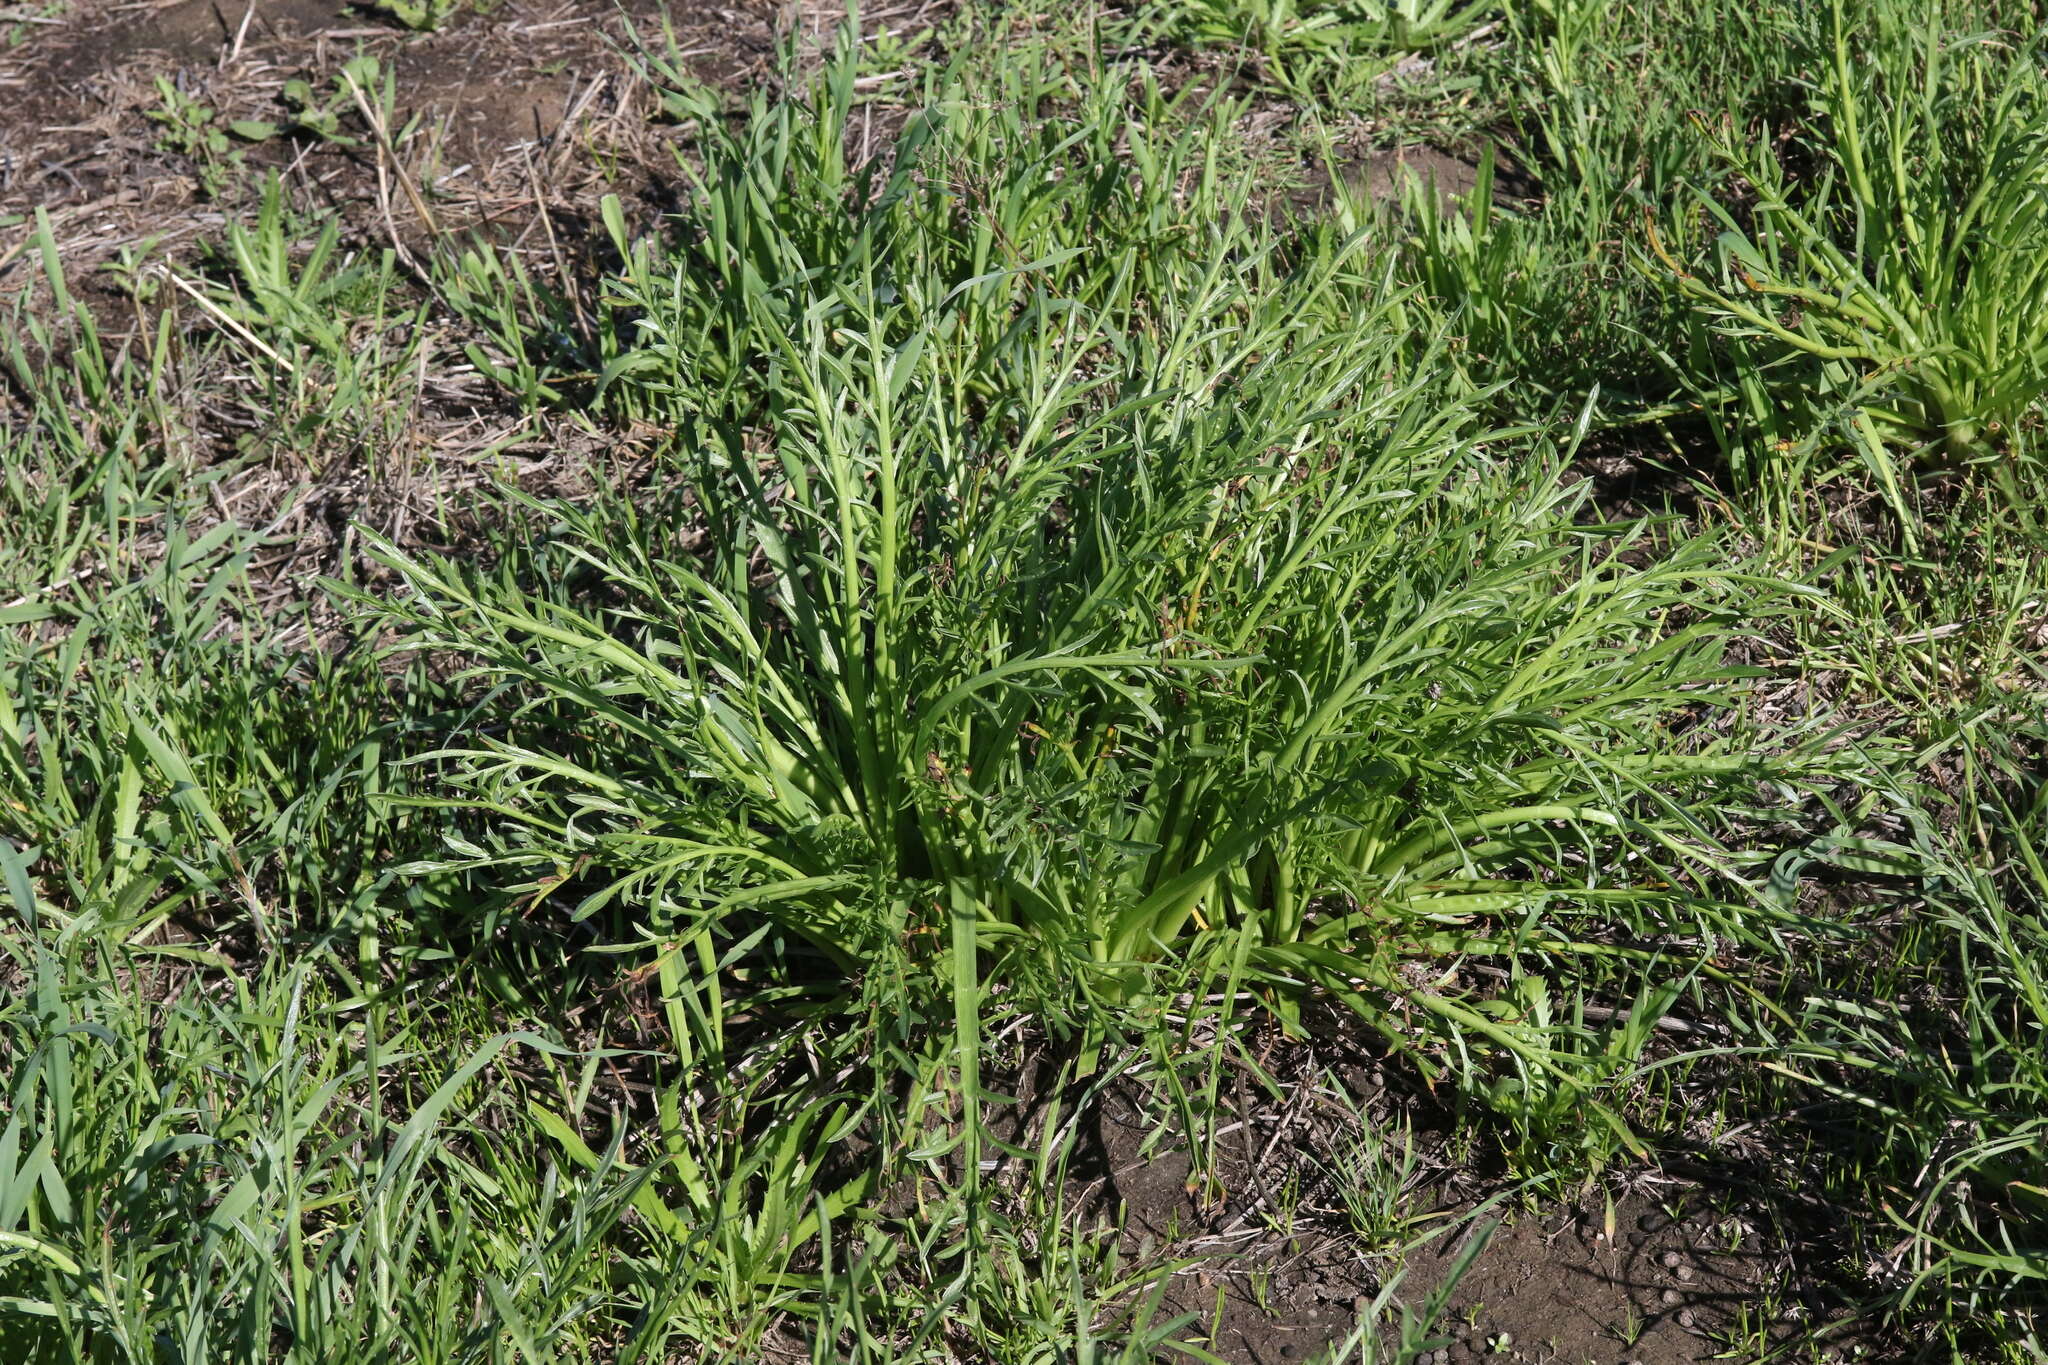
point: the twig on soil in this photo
(87, 572)
(234, 53)
(230, 323)
(387, 167)
(1928, 636)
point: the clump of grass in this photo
(1064, 600)
(195, 1160)
(336, 346)
(181, 1173)
(239, 1118)
(1591, 99)
(1933, 1081)
(1898, 276)
(1311, 47)
(1060, 579)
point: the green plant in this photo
(24, 22)
(1530, 275)
(1376, 1170)
(1902, 278)
(1067, 611)
(337, 351)
(214, 1203)
(1052, 628)
(193, 859)
(1277, 27)
(193, 130)
(1953, 1097)
(319, 113)
(421, 16)
(1306, 45)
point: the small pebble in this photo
(1671, 1297)
(1669, 1260)
(1684, 1274)
(1653, 1222)
(1685, 1318)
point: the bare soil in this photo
(1719, 1255)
